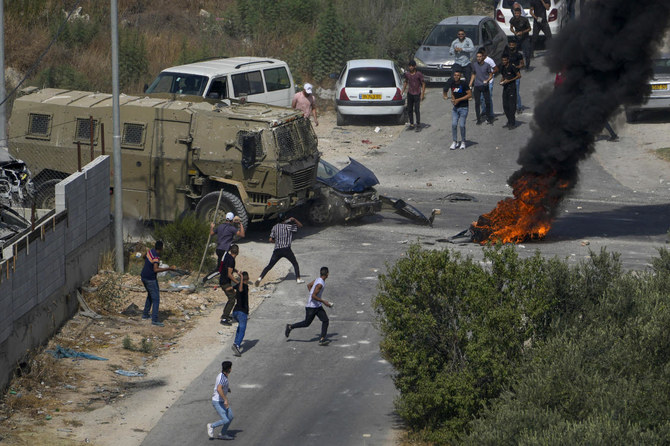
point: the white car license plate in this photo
(437, 79)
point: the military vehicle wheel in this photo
(229, 203)
(319, 212)
(341, 119)
(45, 198)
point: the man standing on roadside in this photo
(227, 282)
(241, 312)
(516, 59)
(150, 281)
(494, 69)
(221, 404)
(225, 233)
(509, 74)
(462, 48)
(305, 102)
(538, 9)
(481, 76)
(520, 27)
(314, 307)
(282, 236)
(460, 95)
(417, 91)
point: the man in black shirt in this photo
(520, 27)
(538, 9)
(460, 95)
(509, 74)
(516, 59)
(227, 282)
(241, 312)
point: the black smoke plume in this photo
(606, 57)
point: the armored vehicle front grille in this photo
(303, 178)
(307, 135)
(287, 141)
(84, 130)
(258, 198)
(39, 124)
(133, 134)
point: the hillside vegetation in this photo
(314, 36)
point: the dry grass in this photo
(663, 153)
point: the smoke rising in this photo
(606, 56)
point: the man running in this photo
(314, 307)
(282, 236)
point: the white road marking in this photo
(250, 386)
(349, 357)
(364, 342)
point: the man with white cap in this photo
(305, 102)
(225, 233)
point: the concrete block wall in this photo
(45, 266)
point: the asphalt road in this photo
(294, 392)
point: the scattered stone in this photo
(132, 310)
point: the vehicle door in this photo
(494, 40)
(249, 84)
(218, 88)
(278, 86)
(136, 144)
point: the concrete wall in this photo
(40, 272)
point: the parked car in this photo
(369, 87)
(557, 15)
(432, 57)
(259, 79)
(659, 86)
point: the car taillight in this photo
(500, 16)
(553, 15)
(398, 95)
(343, 95)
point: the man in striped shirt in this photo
(282, 236)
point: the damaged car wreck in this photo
(16, 190)
(349, 194)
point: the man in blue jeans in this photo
(221, 403)
(459, 92)
(150, 281)
(241, 312)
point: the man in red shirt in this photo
(417, 91)
(305, 102)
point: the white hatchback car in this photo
(369, 87)
(557, 15)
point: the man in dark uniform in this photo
(520, 27)
(538, 9)
(509, 74)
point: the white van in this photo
(260, 79)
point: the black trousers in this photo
(478, 92)
(277, 255)
(414, 105)
(509, 102)
(310, 313)
(525, 46)
(541, 26)
(214, 273)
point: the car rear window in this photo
(662, 66)
(370, 77)
(443, 35)
(508, 3)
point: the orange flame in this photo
(527, 216)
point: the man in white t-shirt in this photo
(221, 404)
(314, 307)
(494, 68)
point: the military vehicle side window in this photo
(218, 89)
(247, 83)
(276, 79)
(39, 125)
(133, 135)
(287, 142)
(84, 130)
(252, 149)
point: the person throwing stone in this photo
(314, 307)
(282, 236)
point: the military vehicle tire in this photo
(319, 212)
(229, 203)
(341, 119)
(45, 198)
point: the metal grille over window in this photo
(132, 134)
(257, 141)
(39, 124)
(287, 141)
(84, 130)
(307, 135)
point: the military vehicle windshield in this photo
(178, 83)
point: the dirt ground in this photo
(72, 401)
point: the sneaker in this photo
(210, 430)
(613, 138)
(299, 281)
(257, 282)
(224, 437)
(323, 341)
(158, 324)
(225, 321)
(236, 350)
(410, 127)
(146, 317)
(462, 146)
(453, 146)
(418, 128)
(479, 122)
(287, 331)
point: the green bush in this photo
(133, 64)
(63, 76)
(184, 240)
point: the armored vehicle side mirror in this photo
(249, 143)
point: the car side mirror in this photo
(249, 143)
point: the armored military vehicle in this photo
(176, 155)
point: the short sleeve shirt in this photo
(149, 260)
(481, 72)
(228, 261)
(311, 303)
(414, 82)
(242, 299)
(458, 90)
(515, 58)
(221, 380)
(224, 236)
(508, 72)
(539, 9)
(520, 24)
(304, 103)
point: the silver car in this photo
(433, 59)
(659, 98)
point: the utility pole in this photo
(116, 141)
(3, 92)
